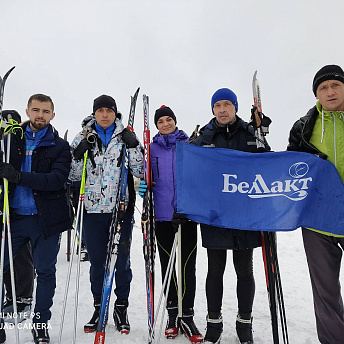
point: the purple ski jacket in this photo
(163, 160)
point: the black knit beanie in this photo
(164, 111)
(106, 102)
(329, 72)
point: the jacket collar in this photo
(171, 139)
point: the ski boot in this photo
(83, 253)
(120, 316)
(92, 325)
(7, 307)
(171, 330)
(40, 333)
(244, 328)
(188, 327)
(214, 328)
(2, 334)
(23, 310)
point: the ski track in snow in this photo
(295, 281)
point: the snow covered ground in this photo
(296, 287)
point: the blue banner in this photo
(276, 191)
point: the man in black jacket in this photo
(37, 171)
(227, 130)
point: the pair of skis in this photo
(269, 244)
(148, 223)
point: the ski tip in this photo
(136, 93)
(8, 73)
(255, 75)
(100, 338)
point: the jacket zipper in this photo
(306, 142)
(157, 166)
(174, 189)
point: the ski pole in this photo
(77, 278)
(69, 242)
(71, 212)
(78, 215)
(270, 285)
(280, 298)
(180, 281)
(6, 218)
(15, 128)
(165, 289)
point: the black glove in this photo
(263, 121)
(7, 114)
(178, 219)
(82, 147)
(129, 138)
(9, 172)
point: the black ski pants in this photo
(28, 228)
(165, 236)
(97, 227)
(243, 264)
(24, 275)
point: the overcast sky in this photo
(178, 52)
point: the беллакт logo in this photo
(293, 189)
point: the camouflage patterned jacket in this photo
(102, 180)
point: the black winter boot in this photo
(23, 310)
(120, 316)
(40, 333)
(188, 327)
(244, 328)
(2, 334)
(214, 328)
(172, 325)
(92, 325)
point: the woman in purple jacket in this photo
(163, 160)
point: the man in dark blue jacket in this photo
(37, 171)
(227, 130)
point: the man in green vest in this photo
(321, 132)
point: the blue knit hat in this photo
(224, 94)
